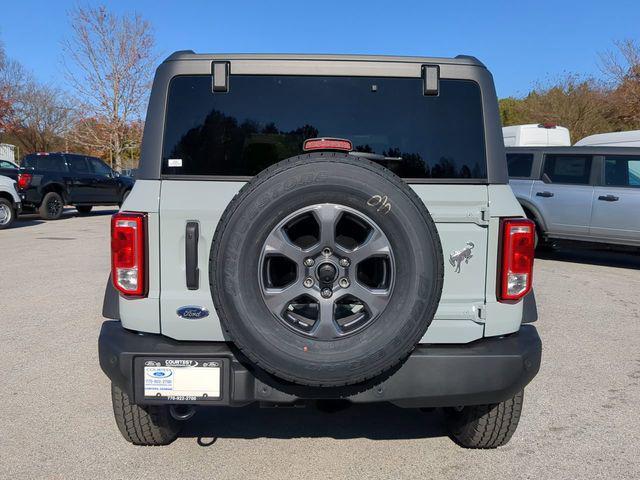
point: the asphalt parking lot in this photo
(581, 416)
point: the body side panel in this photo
(617, 220)
(501, 318)
(143, 314)
(184, 201)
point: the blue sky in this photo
(521, 42)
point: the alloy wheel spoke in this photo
(278, 243)
(375, 300)
(327, 216)
(277, 299)
(376, 245)
(325, 327)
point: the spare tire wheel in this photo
(326, 270)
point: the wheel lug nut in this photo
(326, 292)
(308, 282)
(326, 251)
(308, 262)
(344, 262)
(344, 282)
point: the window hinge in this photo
(220, 77)
(431, 80)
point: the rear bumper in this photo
(486, 371)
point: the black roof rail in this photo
(471, 58)
(179, 53)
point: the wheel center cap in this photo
(327, 272)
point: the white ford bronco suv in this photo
(309, 227)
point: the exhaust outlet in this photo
(182, 412)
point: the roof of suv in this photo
(189, 63)
(191, 55)
(575, 150)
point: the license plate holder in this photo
(180, 380)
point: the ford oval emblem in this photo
(159, 372)
(192, 312)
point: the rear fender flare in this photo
(58, 188)
(537, 216)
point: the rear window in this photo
(519, 164)
(78, 164)
(8, 165)
(265, 119)
(574, 169)
(49, 163)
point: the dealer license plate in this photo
(182, 379)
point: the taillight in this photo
(327, 144)
(516, 274)
(128, 252)
(24, 180)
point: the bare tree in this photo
(41, 118)
(13, 79)
(109, 63)
(621, 67)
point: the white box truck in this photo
(536, 135)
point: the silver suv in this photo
(309, 227)
(587, 194)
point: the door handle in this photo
(544, 194)
(608, 198)
(191, 256)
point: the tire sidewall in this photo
(44, 211)
(284, 189)
(12, 213)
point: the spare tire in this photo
(326, 270)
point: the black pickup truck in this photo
(49, 181)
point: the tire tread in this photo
(148, 425)
(485, 426)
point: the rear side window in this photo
(98, 167)
(519, 164)
(622, 171)
(4, 164)
(574, 169)
(78, 164)
(265, 119)
(48, 163)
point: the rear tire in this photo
(83, 209)
(540, 242)
(7, 213)
(52, 206)
(149, 425)
(485, 426)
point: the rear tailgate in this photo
(459, 212)
(445, 143)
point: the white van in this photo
(613, 139)
(536, 135)
(8, 152)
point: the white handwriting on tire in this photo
(381, 202)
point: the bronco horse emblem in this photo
(458, 256)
